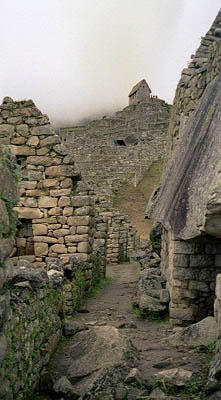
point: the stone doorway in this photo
(24, 238)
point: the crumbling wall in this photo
(142, 132)
(188, 203)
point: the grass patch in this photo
(151, 316)
(97, 289)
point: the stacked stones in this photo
(60, 221)
(121, 237)
(104, 165)
(202, 69)
(192, 279)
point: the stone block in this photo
(68, 211)
(84, 247)
(73, 230)
(82, 257)
(22, 150)
(81, 201)
(61, 232)
(6, 247)
(201, 260)
(55, 211)
(181, 260)
(218, 287)
(28, 213)
(41, 249)
(47, 202)
(39, 160)
(60, 192)
(42, 152)
(75, 221)
(33, 141)
(18, 140)
(52, 140)
(185, 314)
(218, 260)
(42, 130)
(66, 183)
(59, 248)
(62, 170)
(20, 242)
(182, 247)
(201, 286)
(22, 130)
(72, 249)
(50, 182)
(76, 238)
(64, 201)
(6, 130)
(185, 274)
(82, 211)
(44, 239)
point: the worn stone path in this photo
(113, 306)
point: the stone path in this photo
(113, 306)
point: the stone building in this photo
(188, 202)
(119, 149)
(140, 92)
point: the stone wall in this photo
(106, 165)
(190, 252)
(203, 67)
(190, 269)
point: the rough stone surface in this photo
(92, 355)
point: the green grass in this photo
(97, 289)
(151, 316)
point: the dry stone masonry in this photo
(119, 149)
(188, 204)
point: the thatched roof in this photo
(137, 86)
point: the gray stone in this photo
(157, 394)
(176, 376)
(64, 387)
(135, 376)
(93, 355)
(201, 333)
(71, 327)
(6, 247)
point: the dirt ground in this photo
(113, 306)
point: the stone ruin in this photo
(188, 203)
(55, 241)
(119, 149)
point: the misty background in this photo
(80, 58)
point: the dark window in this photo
(119, 142)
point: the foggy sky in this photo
(76, 58)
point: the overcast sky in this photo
(75, 58)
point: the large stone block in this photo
(79, 221)
(181, 260)
(41, 249)
(42, 130)
(81, 201)
(39, 229)
(76, 238)
(47, 202)
(182, 247)
(84, 247)
(6, 130)
(39, 160)
(28, 213)
(201, 260)
(59, 248)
